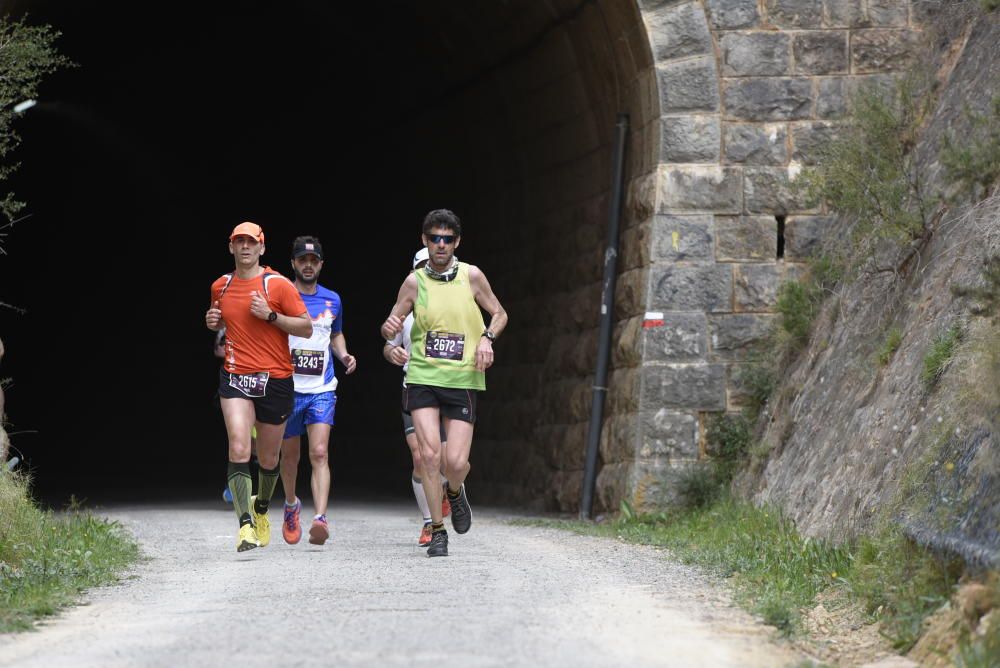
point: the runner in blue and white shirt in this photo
(315, 391)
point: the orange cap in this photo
(249, 229)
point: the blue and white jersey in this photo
(312, 357)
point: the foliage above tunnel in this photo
(27, 54)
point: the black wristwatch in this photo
(272, 316)
(490, 335)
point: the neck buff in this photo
(446, 275)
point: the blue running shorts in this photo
(310, 409)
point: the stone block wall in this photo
(748, 92)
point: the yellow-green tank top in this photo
(447, 326)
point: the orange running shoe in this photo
(319, 531)
(445, 506)
(291, 528)
(425, 536)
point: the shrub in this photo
(728, 439)
(827, 270)
(868, 173)
(698, 485)
(797, 304)
(974, 162)
(757, 378)
(705, 482)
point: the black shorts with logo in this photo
(273, 407)
(455, 404)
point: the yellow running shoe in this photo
(260, 522)
(247, 539)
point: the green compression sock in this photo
(240, 486)
(268, 481)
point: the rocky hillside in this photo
(892, 410)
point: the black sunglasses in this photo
(442, 238)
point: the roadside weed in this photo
(901, 583)
(776, 573)
(47, 559)
(980, 651)
(773, 570)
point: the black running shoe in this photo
(461, 511)
(439, 544)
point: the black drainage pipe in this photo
(607, 312)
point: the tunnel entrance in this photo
(341, 122)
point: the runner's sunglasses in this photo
(441, 238)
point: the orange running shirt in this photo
(254, 345)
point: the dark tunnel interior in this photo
(344, 121)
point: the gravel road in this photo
(507, 596)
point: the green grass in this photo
(980, 652)
(47, 559)
(940, 352)
(900, 584)
(893, 338)
(775, 572)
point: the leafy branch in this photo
(27, 55)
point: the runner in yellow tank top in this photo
(451, 349)
(446, 320)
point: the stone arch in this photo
(576, 64)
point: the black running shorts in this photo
(454, 404)
(408, 426)
(273, 407)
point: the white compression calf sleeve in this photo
(418, 494)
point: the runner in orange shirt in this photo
(220, 351)
(259, 309)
